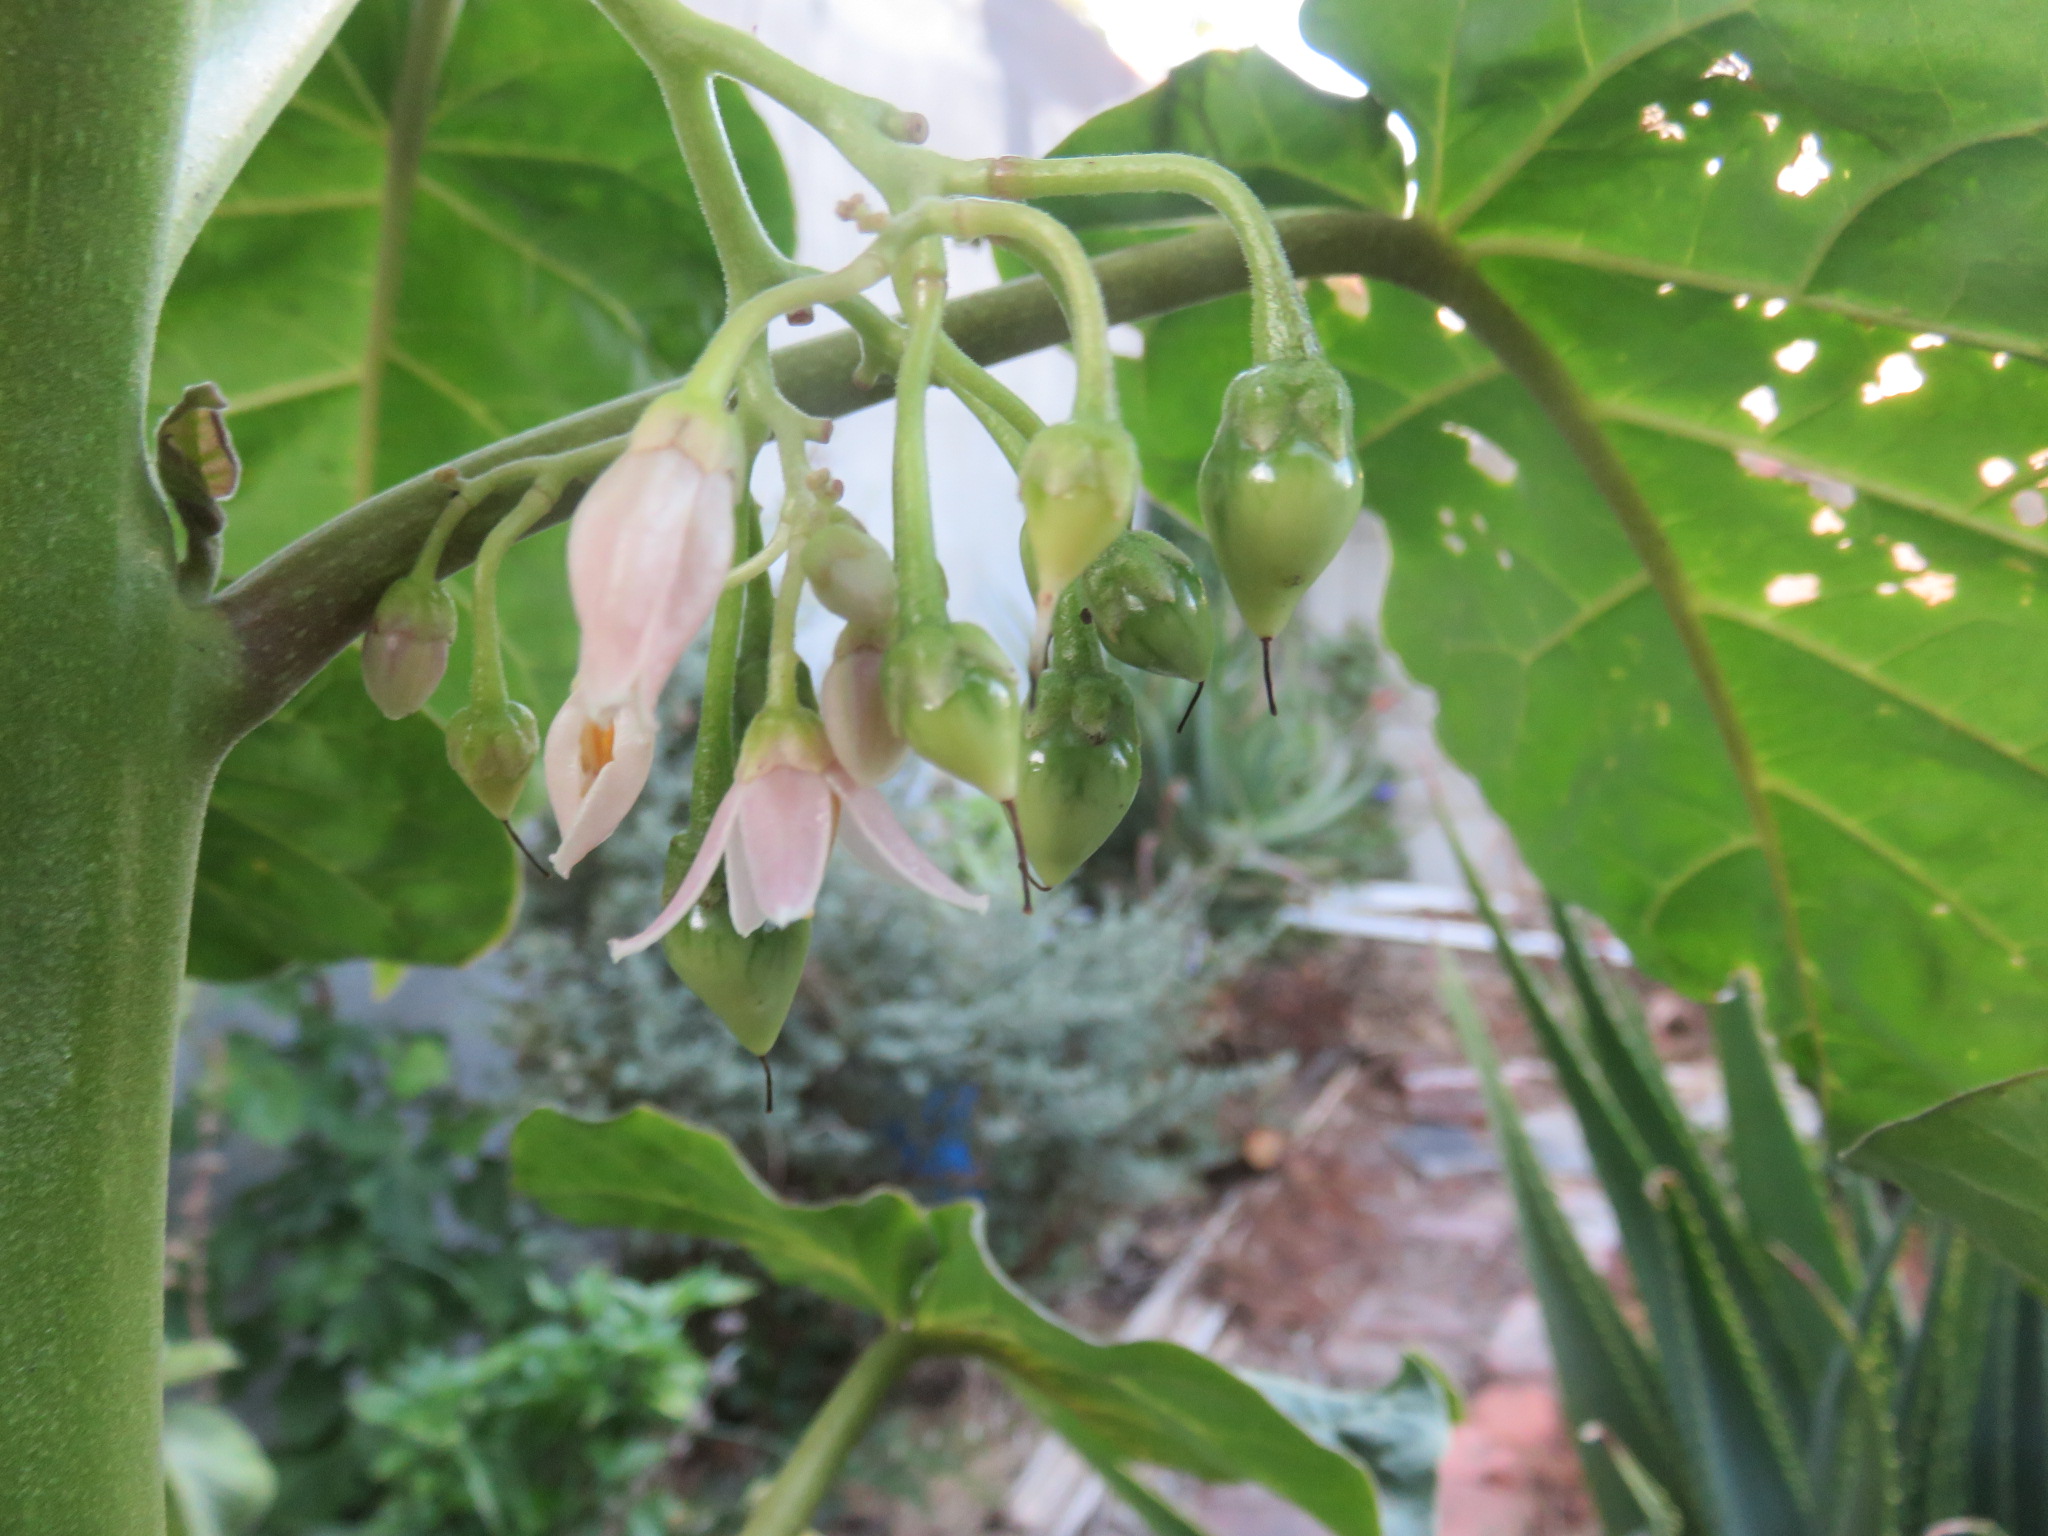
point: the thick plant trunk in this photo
(104, 787)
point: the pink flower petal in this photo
(856, 723)
(562, 758)
(874, 836)
(698, 579)
(785, 830)
(691, 891)
(740, 902)
(610, 792)
(626, 545)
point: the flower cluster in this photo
(665, 542)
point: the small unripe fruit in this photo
(952, 695)
(493, 747)
(1079, 481)
(1280, 488)
(1150, 607)
(1079, 770)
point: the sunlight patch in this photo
(1897, 374)
(1807, 171)
(1485, 455)
(1762, 404)
(1795, 355)
(1789, 591)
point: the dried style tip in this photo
(520, 843)
(1189, 713)
(1023, 859)
(1266, 657)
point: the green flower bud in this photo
(405, 650)
(1280, 487)
(851, 574)
(951, 693)
(1150, 607)
(749, 982)
(1079, 481)
(493, 748)
(1079, 767)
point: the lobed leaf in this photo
(555, 258)
(644, 1169)
(1772, 247)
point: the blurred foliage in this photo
(380, 1222)
(1029, 1062)
(562, 1428)
(1790, 1378)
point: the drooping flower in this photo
(773, 831)
(856, 715)
(648, 551)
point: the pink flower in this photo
(774, 830)
(856, 719)
(648, 551)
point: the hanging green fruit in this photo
(1079, 481)
(1150, 608)
(1079, 762)
(493, 747)
(748, 980)
(952, 695)
(1280, 487)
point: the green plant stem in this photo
(680, 46)
(920, 580)
(812, 1467)
(412, 109)
(106, 678)
(717, 369)
(296, 611)
(745, 252)
(1280, 321)
(711, 763)
(1050, 242)
(487, 659)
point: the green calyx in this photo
(784, 738)
(493, 747)
(951, 694)
(1150, 608)
(1079, 765)
(1079, 481)
(1280, 487)
(851, 575)
(749, 982)
(405, 649)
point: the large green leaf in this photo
(1155, 1403)
(1811, 741)
(644, 1169)
(1980, 1158)
(335, 834)
(1152, 1403)
(556, 257)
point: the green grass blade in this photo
(1792, 1338)
(1852, 1449)
(1940, 1378)
(1604, 1375)
(1781, 1193)
(1656, 1513)
(1740, 1442)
